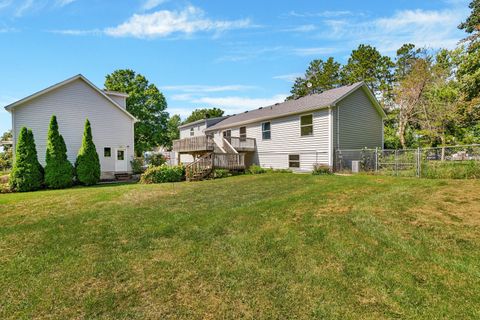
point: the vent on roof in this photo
(245, 111)
(277, 103)
(260, 108)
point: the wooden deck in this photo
(193, 144)
(206, 144)
(242, 144)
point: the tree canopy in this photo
(199, 114)
(146, 103)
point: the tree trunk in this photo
(401, 133)
(442, 138)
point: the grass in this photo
(269, 246)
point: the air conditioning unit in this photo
(355, 166)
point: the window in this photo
(294, 161)
(107, 152)
(227, 133)
(192, 132)
(266, 132)
(243, 133)
(120, 155)
(306, 125)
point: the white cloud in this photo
(424, 28)
(150, 4)
(321, 14)
(301, 28)
(236, 104)
(24, 7)
(313, 51)
(205, 88)
(5, 3)
(288, 77)
(164, 23)
(73, 32)
(62, 3)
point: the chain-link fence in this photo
(454, 162)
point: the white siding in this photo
(72, 104)
(198, 130)
(121, 101)
(286, 139)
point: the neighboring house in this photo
(296, 134)
(73, 101)
(195, 129)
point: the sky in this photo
(236, 55)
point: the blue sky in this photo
(236, 55)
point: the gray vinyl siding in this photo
(198, 130)
(121, 101)
(357, 123)
(72, 104)
(286, 140)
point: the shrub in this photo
(6, 160)
(221, 173)
(254, 169)
(451, 169)
(137, 165)
(5, 188)
(58, 170)
(321, 169)
(156, 159)
(162, 174)
(87, 165)
(27, 173)
(271, 170)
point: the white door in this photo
(120, 160)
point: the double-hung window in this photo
(243, 133)
(306, 125)
(107, 152)
(266, 131)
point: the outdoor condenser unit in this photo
(355, 166)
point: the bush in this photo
(58, 170)
(137, 165)
(254, 169)
(321, 169)
(87, 165)
(221, 173)
(156, 159)
(27, 173)
(271, 170)
(6, 160)
(5, 188)
(451, 170)
(162, 174)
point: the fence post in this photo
(395, 163)
(419, 162)
(376, 160)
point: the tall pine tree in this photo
(27, 173)
(58, 170)
(87, 165)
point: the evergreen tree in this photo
(58, 170)
(27, 173)
(87, 165)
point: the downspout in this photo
(330, 137)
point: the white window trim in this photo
(306, 125)
(266, 130)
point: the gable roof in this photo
(63, 83)
(201, 121)
(290, 107)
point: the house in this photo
(73, 101)
(295, 134)
(195, 129)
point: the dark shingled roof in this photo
(308, 103)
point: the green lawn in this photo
(256, 247)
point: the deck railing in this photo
(193, 144)
(229, 161)
(242, 144)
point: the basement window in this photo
(306, 125)
(107, 152)
(294, 161)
